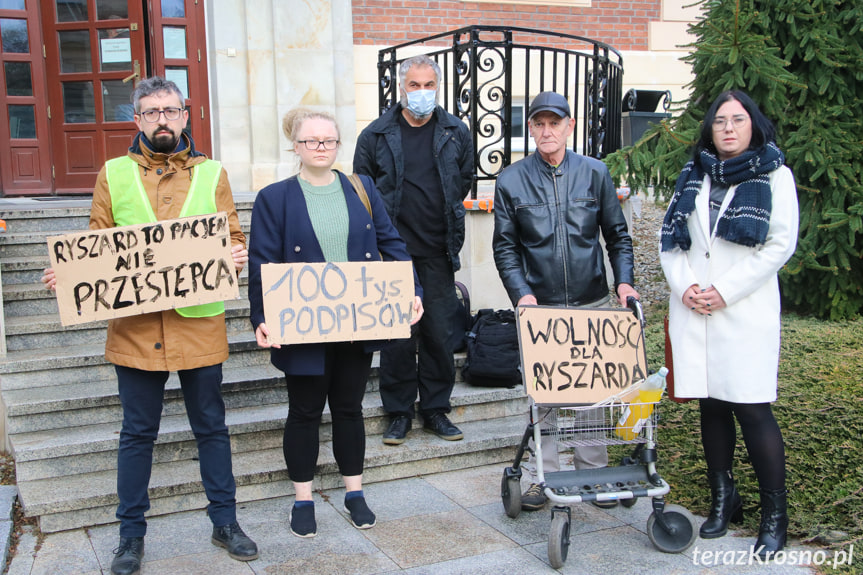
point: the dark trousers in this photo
(424, 363)
(141, 394)
(343, 385)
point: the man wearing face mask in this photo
(421, 159)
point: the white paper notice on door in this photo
(116, 50)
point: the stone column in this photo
(271, 56)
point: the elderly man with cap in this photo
(549, 211)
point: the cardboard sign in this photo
(573, 356)
(337, 301)
(131, 270)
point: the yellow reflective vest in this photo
(131, 206)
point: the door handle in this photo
(136, 75)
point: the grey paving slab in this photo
(533, 526)
(619, 550)
(25, 555)
(8, 495)
(393, 500)
(469, 487)
(427, 539)
(338, 547)
(66, 553)
(507, 561)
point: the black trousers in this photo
(343, 386)
(424, 363)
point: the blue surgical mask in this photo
(422, 102)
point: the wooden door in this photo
(25, 155)
(178, 53)
(95, 50)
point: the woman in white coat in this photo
(730, 227)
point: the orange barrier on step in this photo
(485, 205)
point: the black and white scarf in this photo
(747, 218)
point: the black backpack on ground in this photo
(462, 320)
(492, 350)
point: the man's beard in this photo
(164, 142)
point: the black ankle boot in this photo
(774, 522)
(726, 507)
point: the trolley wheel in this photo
(684, 530)
(510, 492)
(558, 540)
(629, 502)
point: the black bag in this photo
(462, 320)
(492, 350)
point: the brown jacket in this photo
(166, 341)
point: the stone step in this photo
(45, 220)
(71, 405)
(43, 331)
(86, 363)
(253, 425)
(90, 499)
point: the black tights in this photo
(761, 435)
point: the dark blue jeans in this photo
(424, 363)
(141, 394)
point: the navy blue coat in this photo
(282, 232)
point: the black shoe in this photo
(361, 516)
(726, 505)
(533, 498)
(608, 504)
(440, 425)
(238, 544)
(772, 533)
(398, 429)
(303, 522)
(127, 556)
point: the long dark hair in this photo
(763, 130)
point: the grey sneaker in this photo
(533, 498)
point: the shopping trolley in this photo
(619, 419)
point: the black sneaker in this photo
(127, 556)
(238, 544)
(533, 498)
(303, 522)
(440, 425)
(398, 430)
(361, 516)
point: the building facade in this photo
(69, 67)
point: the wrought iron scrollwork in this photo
(479, 69)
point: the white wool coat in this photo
(732, 355)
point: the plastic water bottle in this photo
(636, 415)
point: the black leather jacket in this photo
(547, 225)
(379, 155)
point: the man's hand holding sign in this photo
(130, 270)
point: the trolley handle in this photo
(635, 305)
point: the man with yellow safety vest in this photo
(164, 177)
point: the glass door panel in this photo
(71, 10)
(92, 46)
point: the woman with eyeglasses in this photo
(317, 216)
(730, 227)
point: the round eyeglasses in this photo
(152, 116)
(736, 121)
(313, 145)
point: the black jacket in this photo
(547, 226)
(379, 155)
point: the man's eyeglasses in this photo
(736, 121)
(313, 145)
(152, 116)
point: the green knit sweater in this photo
(328, 211)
